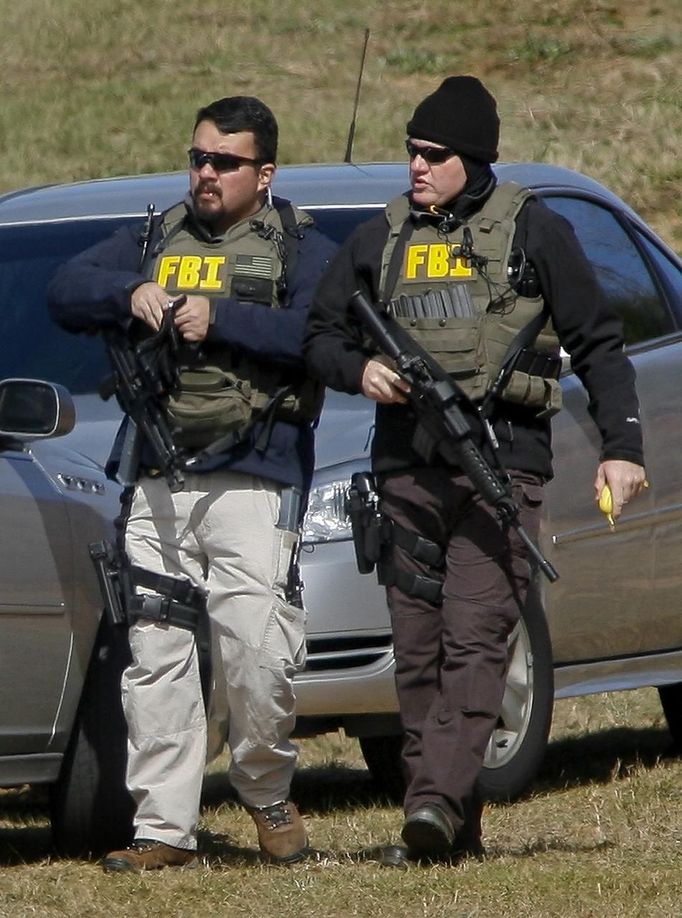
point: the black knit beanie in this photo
(462, 115)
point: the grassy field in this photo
(106, 87)
(110, 87)
(599, 835)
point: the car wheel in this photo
(517, 747)
(519, 742)
(671, 702)
(90, 807)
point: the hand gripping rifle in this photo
(435, 397)
(144, 375)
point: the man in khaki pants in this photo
(239, 267)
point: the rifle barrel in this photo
(434, 394)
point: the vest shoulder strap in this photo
(503, 205)
(494, 226)
(399, 229)
(396, 212)
(170, 222)
(292, 220)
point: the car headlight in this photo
(326, 519)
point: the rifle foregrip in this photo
(483, 478)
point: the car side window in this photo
(621, 271)
(32, 344)
(668, 272)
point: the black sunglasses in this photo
(430, 155)
(221, 162)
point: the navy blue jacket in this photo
(94, 289)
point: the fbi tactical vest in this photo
(466, 316)
(224, 392)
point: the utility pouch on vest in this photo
(524, 389)
(538, 363)
(213, 402)
(251, 289)
(457, 345)
(533, 379)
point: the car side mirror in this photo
(31, 409)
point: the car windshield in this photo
(33, 346)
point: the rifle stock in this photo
(436, 397)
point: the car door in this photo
(619, 589)
(36, 577)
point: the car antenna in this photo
(351, 132)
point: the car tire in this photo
(90, 808)
(518, 745)
(671, 702)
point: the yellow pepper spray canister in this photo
(606, 503)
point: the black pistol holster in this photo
(174, 601)
(372, 530)
(367, 521)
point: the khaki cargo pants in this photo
(220, 531)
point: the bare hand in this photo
(625, 480)
(148, 302)
(192, 318)
(381, 383)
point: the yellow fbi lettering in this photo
(192, 272)
(437, 260)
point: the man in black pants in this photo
(466, 265)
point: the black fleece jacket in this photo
(588, 330)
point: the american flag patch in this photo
(253, 266)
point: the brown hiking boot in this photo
(281, 832)
(147, 854)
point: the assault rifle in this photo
(436, 397)
(144, 375)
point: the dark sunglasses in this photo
(430, 155)
(221, 162)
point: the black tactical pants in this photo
(451, 660)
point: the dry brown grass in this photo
(600, 834)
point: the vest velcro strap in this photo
(486, 225)
(417, 546)
(411, 584)
(175, 600)
(152, 607)
(181, 589)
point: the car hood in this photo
(343, 435)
